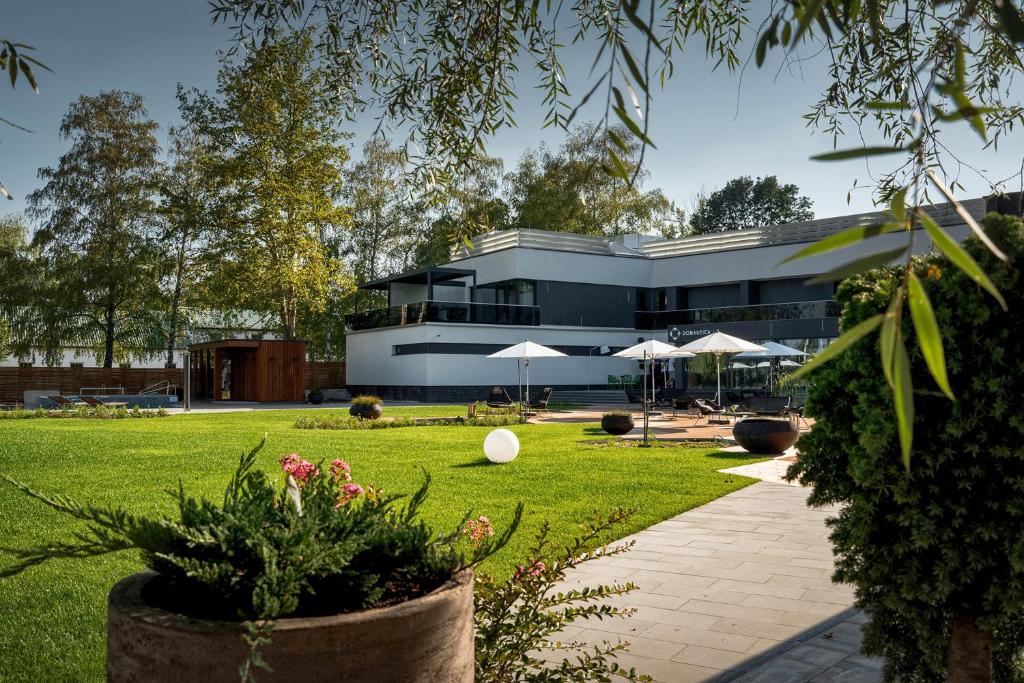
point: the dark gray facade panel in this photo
(758, 329)
(585, 305)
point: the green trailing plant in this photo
(519, 617)
(83, 412)
(935, 553)
(367, 400)
(319, 544)
(339, 422)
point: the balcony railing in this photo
(444, 312)
(655, 320)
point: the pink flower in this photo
(301, 470)
(341, 470)
(477, 529)
(534, 570)
(348, 492)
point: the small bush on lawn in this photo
(83, 412)
(936, 553)
(341, 422)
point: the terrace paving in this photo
(736, 590)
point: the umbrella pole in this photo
(519, 380)
(718, 372)
(524, 406)
(646, 412)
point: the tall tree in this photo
(186, 210)
(747, 202)
(468, 205)
(386, 215)
(569, 191)
(98, 216)
(277, 165)
(22, 275)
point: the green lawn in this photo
(52, 618)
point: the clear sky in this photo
(707, 127)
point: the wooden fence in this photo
(14, 382)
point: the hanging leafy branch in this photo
(444, 73)
(15, 61)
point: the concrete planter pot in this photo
(617, 424)
(367, 412)
(764, 435)
(425, 640)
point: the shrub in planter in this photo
(366, 407)
(316, 397)
(936, 552)
(358, 587)
(617, 422)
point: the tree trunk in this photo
(172, 332)
(970, 652)
(108, 342)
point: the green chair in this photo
(613, 381)
(628, 381)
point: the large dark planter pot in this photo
(426, 640)
(763, 435)
(617, 424)
(367, 412)
(316, 397)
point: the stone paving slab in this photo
(736, 590)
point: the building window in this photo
(25, 364)
(77, 365)
(124, 366)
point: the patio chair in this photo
(797, 412)
(498, 398)
(634, 396)
(712, 411)
(614, 381)
(628, 381)
(541, 402)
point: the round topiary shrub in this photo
(936, 553)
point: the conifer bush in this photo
(937, 552)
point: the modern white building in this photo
(591, 296)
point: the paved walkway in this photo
(737, 589)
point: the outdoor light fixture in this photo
(501, 446)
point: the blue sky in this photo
(707, 127)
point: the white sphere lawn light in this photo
(501, 445)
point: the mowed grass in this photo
(53, 617)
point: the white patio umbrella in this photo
(773, 350)
(650, 349)
(719, 343)
(524, 351)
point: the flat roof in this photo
(419, 277)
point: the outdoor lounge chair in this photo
(96, 403)
(713, 412)
(64, 402)
(772, 406)
(541, 402)
(499, 398)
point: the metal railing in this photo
(804, 310)
(444, 312)
(162, 387)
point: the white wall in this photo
(370, 360)
(90, 360)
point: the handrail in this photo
(163, 386)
